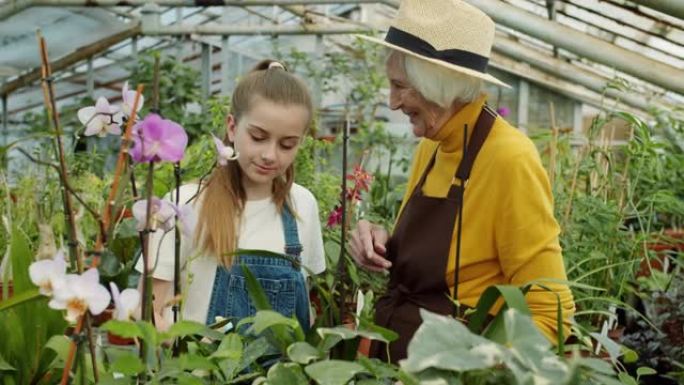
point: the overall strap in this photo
(292, 245)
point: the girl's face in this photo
(267, 137)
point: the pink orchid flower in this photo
(158, 139)
(225, 153)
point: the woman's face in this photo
(267, 137)
(424, 114)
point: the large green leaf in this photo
(266, 319)
(303, 353)
(4, 366)
(444, 343)
(286, 374)
(333, 372)
(18, 299)
(125, 329)
(128, 364)
(21, 258)
(513, 298)
(185, 328)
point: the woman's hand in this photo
(367, 245)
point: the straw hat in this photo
(448, 33)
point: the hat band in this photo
(421, 47)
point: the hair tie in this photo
(275, 64)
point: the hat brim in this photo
(467, 71)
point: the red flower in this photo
(335, 217)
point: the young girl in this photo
(250, 203)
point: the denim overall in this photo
(280, 278)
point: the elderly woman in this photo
(478, 209)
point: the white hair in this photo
(439, 84)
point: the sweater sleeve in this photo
(526, 235)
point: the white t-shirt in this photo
(261, 228)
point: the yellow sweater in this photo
(509, 235)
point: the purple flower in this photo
(158, 140)
(503, 111)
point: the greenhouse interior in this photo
(158, 157)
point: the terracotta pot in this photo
(364, 343)
(113, 339)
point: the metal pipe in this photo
(206, 71)
(671, 7)
(593, 48)
(72, 58)
(563, 87)
(16, 6)
(224, 29)
(565, 71)
(225, 65)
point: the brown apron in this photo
(419, 252)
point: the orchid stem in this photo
(147, 305)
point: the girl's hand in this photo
(367, 246)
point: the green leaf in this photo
(125, 329)
(148, 333)
(185, 328)
(128, 364)
(627, 379)
(5, 366)
(513, 298)
(189, 379)
(191, 362)
(629, 355)
(286, 374)
(230, 347)
(333, 372)
(445, 343)
(21, 258)
(254, 350)
(60, 345)
(256, 292)
(265, 319)
(303, 353)
(377, 368)
(645, 371)
(18, 299)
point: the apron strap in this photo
(482, 128)
(484, 125)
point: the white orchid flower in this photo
(128, 97)
(125, 302)
(102, 119)
(162, 214)
(48, 273)
(79, 293)
(225, 153)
